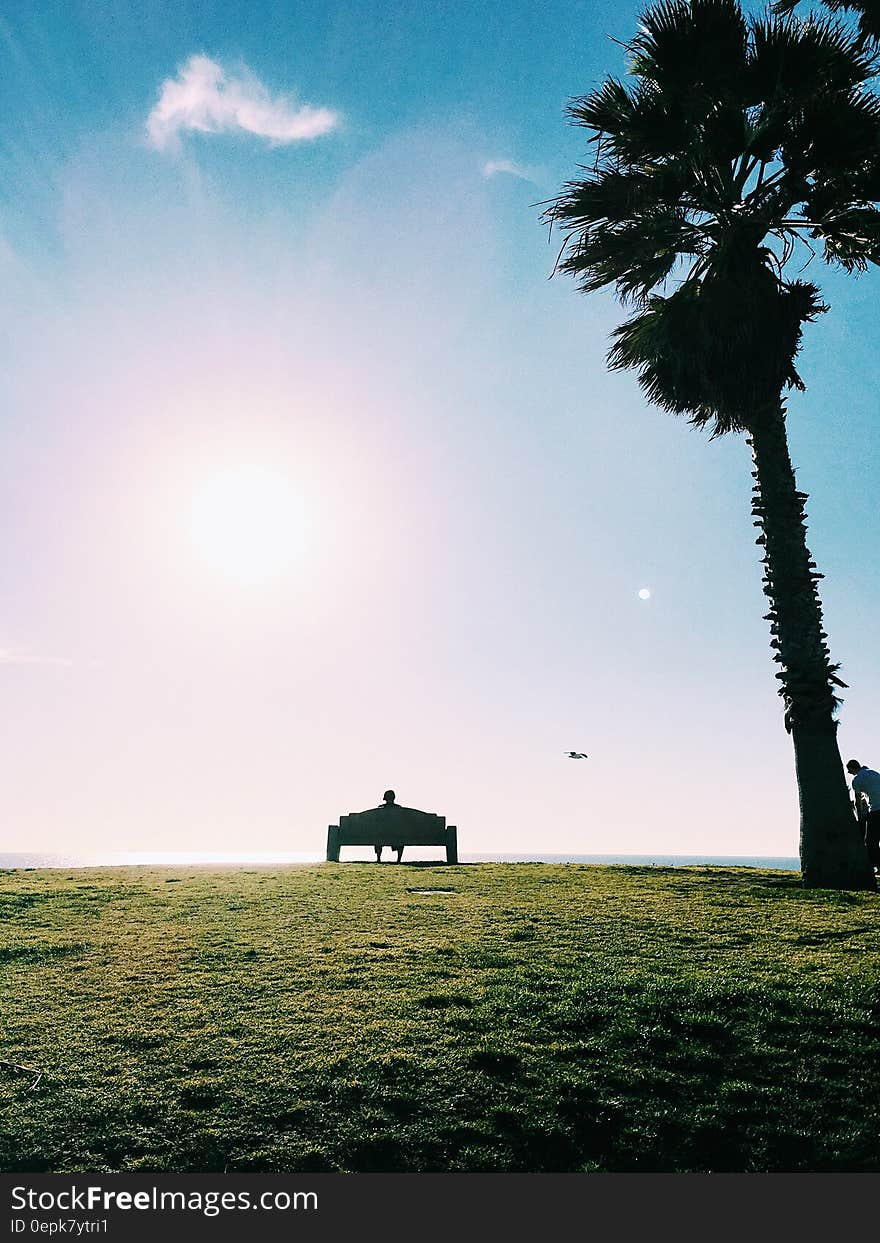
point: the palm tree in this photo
(738, 144)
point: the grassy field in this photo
(531, 1017)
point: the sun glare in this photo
(246, 523)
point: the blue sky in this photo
(365, 316)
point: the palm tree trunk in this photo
(832, 852)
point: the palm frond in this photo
(715, 349)
(606, 110)
(634, 256)
(636, 124)
(685, 48)
(793, 60)
(836, 133)
(852, 238)
(868, 14)
(615, 196)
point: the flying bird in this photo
(577, 755)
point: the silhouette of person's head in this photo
(853, 766)
(389, 796)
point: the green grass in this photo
(535, 1017)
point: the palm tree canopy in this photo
(736, 143)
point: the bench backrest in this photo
(392, 825)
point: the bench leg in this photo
(333, 844)
(452, 844)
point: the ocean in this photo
(282, 858)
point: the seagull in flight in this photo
(577, 755)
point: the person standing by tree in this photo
(739, 143)
(866, 788)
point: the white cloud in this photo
(204, 97)
(491, 167)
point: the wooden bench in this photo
(394, 826)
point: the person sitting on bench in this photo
(389, 796)
(389, 824)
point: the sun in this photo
(246, 522)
